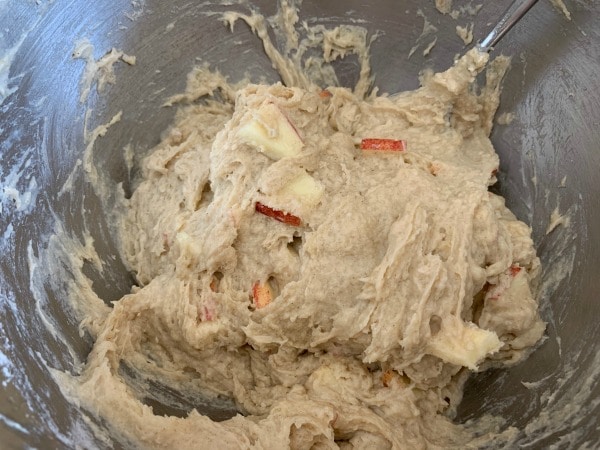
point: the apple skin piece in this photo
(511, 280)
(303, 188)
(385, 145)
(278, 215)
(208, 314)
(514, 270)
(262, 294)
(270, 131)
(387, 377)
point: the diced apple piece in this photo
(278, 215)
(214, 284)
(512, 279)
(262, 294)
(387, 377)
(303, 188)
(514, 270)
(208, 314)
(166, 243)
(386, 145)
(270, 131)
(325, 94)
(463, 344)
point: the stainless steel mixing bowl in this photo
(550, 158)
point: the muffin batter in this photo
(333, 262)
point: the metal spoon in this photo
(512, 15)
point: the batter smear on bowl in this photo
(333, 261)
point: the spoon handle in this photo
(513, 14)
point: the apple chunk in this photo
(280, 216)
(303, 188)
(262, 294)
(385, 145)
(269, 130)
(511, 283)
(463, 344)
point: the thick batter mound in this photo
(333, 262)
(336, 265)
